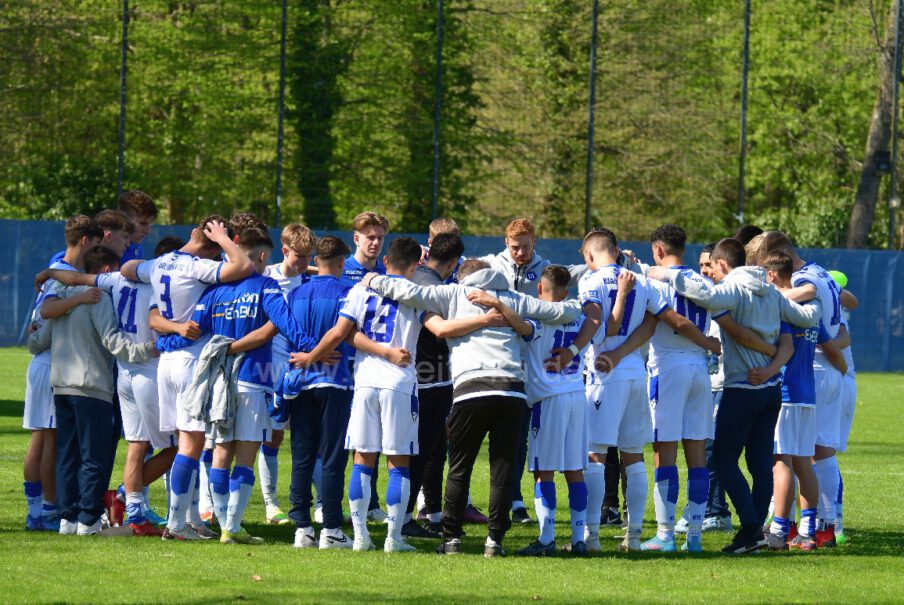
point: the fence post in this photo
(123, 72)
(591, 117)
(742, 162)
(437, 104)
(893, 201)
(281, 112)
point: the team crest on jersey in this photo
(531, 276)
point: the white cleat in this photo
(631, 542)
(305, 538)
(362, 544)
(68, 528)
(204, 532)
(592, 541)
(88, 530)
(377, 515)
(334, 538)
(318, 515)
(397, 546)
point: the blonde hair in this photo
(297, 237)
(754, 249)
(370, 219)
(443, 225)
(520, 226)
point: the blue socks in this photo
(665, 499)
(240, 486)
(545, 506)
(34, 496)
(219, 493)
(398, 489)
(697, 495)
(359, 498)
(577, 503)
(182, 488)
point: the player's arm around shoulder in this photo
(39, 340)
(106, 325)
(804, 316)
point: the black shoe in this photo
(748, 540)
(436, 527)
(610, 516)
(578, 549)
(449, 547)
(538, 549)
(519, 515)
(495, 550)
(412, 529)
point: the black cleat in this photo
(412, 529)
(435, 526)
(449, 547)
(610, 516)
(578, 549)
(519, 515)
(747, 540)
(538, 549)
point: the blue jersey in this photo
(236, 309)
(132, 252)
(315, 305)
(798, 382)
(57, 257)
(355, 271)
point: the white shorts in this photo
(140, 408)
(40, 412)
(618, 414)
(848, 405)
(252, 422)
(174, 375)
(828, 408)
(558, 433)
(681, 404)
(383, 420)
(795, 431)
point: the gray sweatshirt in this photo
(488, 353)
(82, 345)
(753, 303)
(524, 278)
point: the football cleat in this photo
(776, 541)
(52, 523)
(449, 547)
(275, 516)
(363, 544)
(825, 538)
(377, 515)
(151, 515)
(116, 510)
(840, 537)
(592, 541)
(655, 544)
(145, 529)
(538, 549)
(682, 526)
(800, 542)
(204, 532)
(631, 542)
(391, 545)
(610, 516)
(519, 515)
(492, 549)
(692, 545)
(412, 529)
(239, 537)
(334, 538)
(473, 515)
(34, 523)
(68, 528)
(183, 535)
(304, 538)
(717, 523)
(745, 542)
(89, 530)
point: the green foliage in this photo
(202, 111)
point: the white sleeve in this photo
(107, 281)
(351, 306)
(143, 271)
(656, 300)
(206, 270)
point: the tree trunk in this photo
(864, 210)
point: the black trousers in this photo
(426, 469)
(746, 422)
(84, 438)
(614, 473)
(469, 422)
(318, 420)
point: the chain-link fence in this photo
(510, 135)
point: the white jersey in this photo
(848, 355)
(48, 290)
(388, 323)
(542, 383)
(601, 287)
(131, 300)
(286, 283)
(829, 296)
(668, 348)
(179, 279)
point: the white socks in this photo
(827, 475)
(636, 495)
(595, 479)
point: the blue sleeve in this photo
(787, 328)
(203, 314)
(278, 312)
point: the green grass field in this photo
(53, 568)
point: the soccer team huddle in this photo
(204, 355)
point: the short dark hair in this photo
(99, 257)
(213, 218)
(731, 251)
(708, 248)
(330, 247)
(601, 238)
(167, 244)
(557, 276)
(446, 247)
(254, 237)
(245, 220)
(137, 203)
(114, 220)
(403, 252)
(779, 262)
(745, 233)
(80, 226)
(672, 237)
(472, 265)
